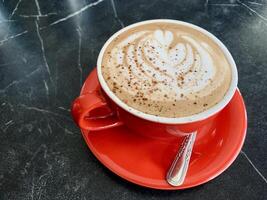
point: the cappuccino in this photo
(166, 69)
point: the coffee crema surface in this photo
(166, 69)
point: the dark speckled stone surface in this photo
(47, 49)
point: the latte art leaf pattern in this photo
(163, 71)
(153, 57)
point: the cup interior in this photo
(168, 120)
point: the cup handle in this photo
(91, 112)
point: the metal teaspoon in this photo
(179, 167)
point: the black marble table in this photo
(47, 49)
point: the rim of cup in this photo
(172, 120)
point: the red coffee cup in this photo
(102, 109)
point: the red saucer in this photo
(145, 161)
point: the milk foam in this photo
(164, 71)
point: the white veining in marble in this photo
(9, 85)
(7, 21)
(67, 131)
(115, 13)
(46, 88)
(30, 94)
(255, 168)
(40, 131)
(75, 13)
(38, 183)
(206, 4)
(240, 3)
(37, 16)
(79, 54)
(15, 9)
(255, 3)
(62, 108)
(42, 48)
(42, 45)
(10, 106)
(7, 125)
(33, 185)
(252, 10)
(18, 81)
(53, 23)
(9, 122)
(12, 37)
(49, 127)
(43, 111)
(38, 7)
(224, 4)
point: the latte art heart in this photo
(166, 70)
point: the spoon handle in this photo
(178, 169)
